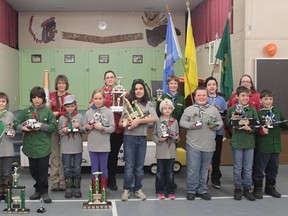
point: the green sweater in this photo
(37, 144)
(179, 104)
(271, 142)
(240, 138)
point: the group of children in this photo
(203, 121)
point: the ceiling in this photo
(100, 5)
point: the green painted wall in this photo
(86, 73)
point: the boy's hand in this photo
(65, 130)
(163, 139)
(25, 128)
(38, 128)
(246, 128)
(89, 126)
(175, 136)
(264, 130)
(97, 126)
(134, 123)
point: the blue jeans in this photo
(197, 163)
(165, 176)
(265, 165)
(134, 156)
(72, 165)
(242, 167)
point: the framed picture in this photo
(36, 58)
(103, 58)
(137, 59)
(69, 58)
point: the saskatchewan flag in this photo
(224, 54)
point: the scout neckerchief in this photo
(212, 99)
(201, 111)
(68, 123)
(2, 125)
(173, 96)
(168, 124)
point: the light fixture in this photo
(102, 25)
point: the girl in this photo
(218, 101)
(99, 123)
(6, 146)
(37, 140)
(135, 141)
(165, 135)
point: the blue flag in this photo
(172, 52)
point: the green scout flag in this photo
(224, 54)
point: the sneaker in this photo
(270, 190)
(55, 187)
(216, 184)
(190, 196)
(35, 196)
(139, 194)
(172, 196)
(125, 195)
(248, 194)
(204, 196)
(46, 198)
(161, 196)
(237, 194)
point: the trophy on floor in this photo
(117, 95)
(97, 196)
(15, 201)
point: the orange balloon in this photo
(270, 49)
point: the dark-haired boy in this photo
(268, 147)
(37, 140)
(243, 144)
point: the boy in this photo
(37, 140)
(243, 144)
(70, 127)
(165, 135)
(178, 100)
(268, 147)
(201, 120)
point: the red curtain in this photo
(8, 25)
(209, 18)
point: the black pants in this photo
(216, 159)
(39, 171)
(116, 140)
(265, 165)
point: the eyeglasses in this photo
(61, 83)
(245, 81)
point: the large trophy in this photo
(97, 198)
(131, 112)
(15, 201)
(117, 94)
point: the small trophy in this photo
(212, 122)
(117, 94)
(164, 130)
(269, 121)
(239, 110)
(71, 127)
(9, 130)
(15, 201)
(31, 124)
(197, 120)
(159, 93)
(97, 196)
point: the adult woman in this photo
(57, 100)
(116, 138)
(254, 97)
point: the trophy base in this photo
(88, 205)
(16, 211)
(116, 108)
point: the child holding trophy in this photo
(6, 146)
(138, 113)
(165, 135)
(70, 127)
(243, 143)
(37, 123)
(99, 123)
(201, 121)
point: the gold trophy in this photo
(117, 94)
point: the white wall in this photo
(86, 23)
(268, 24)
(9, 75)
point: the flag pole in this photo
(188, 8)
